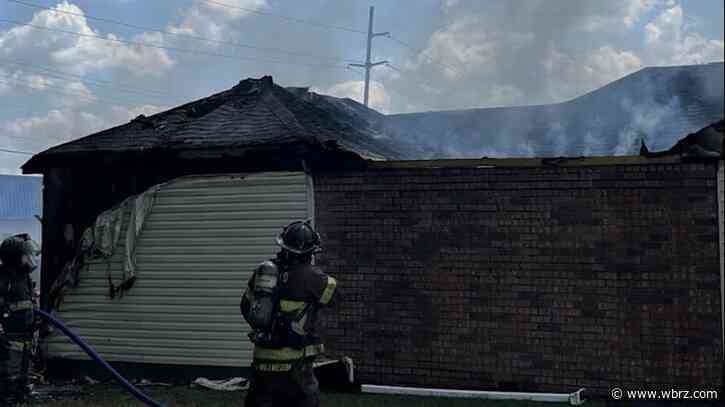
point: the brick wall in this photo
(527, 279)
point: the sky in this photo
(73, 67)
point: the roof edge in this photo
(526, 162)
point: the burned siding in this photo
(72, 199)
(74, 196)
(533, 279)
(198, 246)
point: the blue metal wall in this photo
(21, 197)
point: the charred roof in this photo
(254, 114)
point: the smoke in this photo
(646, 118)
(487, 54)
(658, 105)
(593, 143)
(556, 137)
(538, 52)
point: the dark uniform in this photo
(16, 317)
(282, 374)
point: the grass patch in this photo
(179, 396)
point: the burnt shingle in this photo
(254, 113)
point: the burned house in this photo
(209, 183)
(524, 274)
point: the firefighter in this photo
(281, 304)
(17, 254)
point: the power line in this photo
(151, 92)
(15, 151)
(395, 68)
(182, 50)
(58, 90)
(46, 142)
(293, 19)
(59, 75)
(352, 68)
(194, 37)
(298, 20)
(64, 91)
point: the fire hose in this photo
(95, 356)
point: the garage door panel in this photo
(198, 248)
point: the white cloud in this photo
(4, 86)
(667, 23)
(462, 44)
(516, 53)
(12, 81)
(635, 10)
(379, 98)
(80, 54)
(37, 82)
(36, 133)
(583, 15)
(449, 4)
(572, 75)
(212, 20)
(57, 126)
(671, 42)
(65, 93)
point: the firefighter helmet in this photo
(299, 237)
(15, 250)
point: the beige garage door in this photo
(196, 251)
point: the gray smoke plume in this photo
(659, 105)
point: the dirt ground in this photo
(106, 395)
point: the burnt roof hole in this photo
(145, 122)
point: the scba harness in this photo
(275, 322)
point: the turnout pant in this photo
(14, 370)
(273, 386)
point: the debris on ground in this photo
(233, 384)
(50, 392)
(146, 383)
(89, 380)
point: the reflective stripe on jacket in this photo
(286, 355)
(303, 290)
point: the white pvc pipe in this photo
(573, 398)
